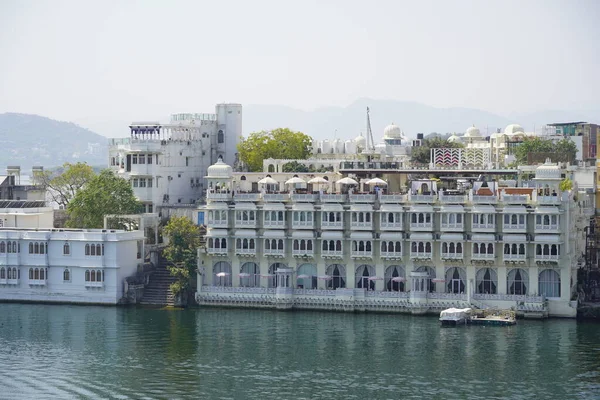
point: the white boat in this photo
(455, 316)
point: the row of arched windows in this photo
(274, 216)
(303, 244)
(245, 216)
(38, 274)
(514, 249)
(361, 245)
(483, 220)
(514, 220)
(10, 273)
(245, 244)
(483, 248)
(547, 249)
(391, 218)
(331, 245)
(452, 248)
(391, 247)
(360, 216)
(332, 216)
(420, 247)
(420, 218)
(452, 219)
(217, 243)
(273, 244)
(10, 247)
(303, 216)
(94, 276)
(94, 249)
(38, 248)
(546, 220)
(217, 216)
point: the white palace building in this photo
(341, 241)
(42, 264)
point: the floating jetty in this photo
(489, 317)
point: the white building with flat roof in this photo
(166, 163)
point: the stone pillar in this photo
(502, 275)
(534, 274)
(235, 272)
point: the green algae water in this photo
(75, 352)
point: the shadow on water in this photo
(132, 353)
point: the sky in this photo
(142, 60)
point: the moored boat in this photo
(455, 316)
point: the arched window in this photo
(335, 276)
(549, 283)
(338, 245)
(99, 276)
(394, 279)
(42, 275)
(99, 250)
(93, 276)
(222, 274)
(517, 281)
(31, 273)
(31, 248)
(66, 275)
(2, 247)
(486, 281)
(92, 250)
(456, 278)
(87, 250)
(87, 276)
(36, 274)
(220, 137)
(250, 275)
(490, 248)
(66, 249)
(307, 276)
(2, 273)
(363, 273)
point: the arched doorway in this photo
(222, 274)
(431, 272)
(486, 281)
(395, 278)
(363, 273)
(307, 276)
(517, 281)
(456, 279)
(337, 274)
(272, 280)
(250, 275)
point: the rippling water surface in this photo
(49, 351)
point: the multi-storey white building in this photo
(166, 163)
(62, 265)
(419, 251)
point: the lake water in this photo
(56, 352)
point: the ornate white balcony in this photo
(361, 254)
(479, 199)
(303, 225)
(220, 223)
(547, 257)
(274, 252)
(453, 198)
(452, 227)
(422, 198)
(94, 284)
(514, 228)
(452, 256)
(361, 225)
(483, 227)
(421, 226)
(332, 225)
(216, 251)
(514, 257)
(277, 197)
(247, 197)
(305, 197)
(223, 196)
(398, 226)
(515, 198)
(332, 253)
(334, 198)
(421, 255)
(392, 255)
(362, 198)
(481, 256)
(37, 282)
(274, 224)
(393, 198)
(303, 253)
(541, 228)
(239, 223)
(548, 200)
(245, 252)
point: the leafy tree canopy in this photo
(295, 166)
(63, 183)
(104, 194)
(562, 150)
(181, 251)
(422, 154)
(565, 185)
(281, 143)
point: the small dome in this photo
(392, 131)
(220, 170)
(547, 171)
(361, 141)
(513, 128)
(472, 132)
(454, 138)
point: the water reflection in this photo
(132, 353)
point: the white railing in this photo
(37, 282)
(514, 257)
(332, 253)
(423, 225)
(336, 224)
(421, 256)
(314, 292)
(447, 296)
(367, 225)
(94, 284)
(231, 289)
(452, 226)
(303, 224)
(479, 199)
(274, 252)
(305, 197)
(453, 256)
(515, 198)
(393, 198)
(541, 227)
(387, 295)
(554, 200)
(480, 256)
(391, 225)
(247, 196)
(217, 223)
(484, 226)
(275, 197)
(245, 251)
(391, 254)
(363, 253)
(362, 198)
(509, 297)
(514, 227)
(218, 196)
(245, 224)
(12, 281)
(422, 198)
(303, 253)
(333, 198)
(274, 224)
(452, 198)
(543, 257)
(213, 250)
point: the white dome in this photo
(454, 138)
(392, 131)
(547, 171)
(361, 141)
(472, 132)
(220, 170)
(513, 128)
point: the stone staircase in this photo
(157, 292)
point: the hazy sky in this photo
(77, 60)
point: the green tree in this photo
(181, 251)
(281, 143)
(105, 194)
(422, 154)
(565, 185)
(294, 166)
(562, 150)
(63, 183)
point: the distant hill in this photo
(29, 140)
(411, 117)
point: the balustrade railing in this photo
(480, 199)
(447, 296)
(545, 257)
(364, 253)
(391, 254)
(421, 255)
(484, 226)
(332, 253)
(452, 226)
(366, 225)
(302, 253)
(453, 198)
(334, 198)
(336, 224)
(304, 197)
(247, 196)
(542, 227)
(391, 225)
(514, 257)
(268, 197)
(362, 198)
(393, 198)
(421, 225)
